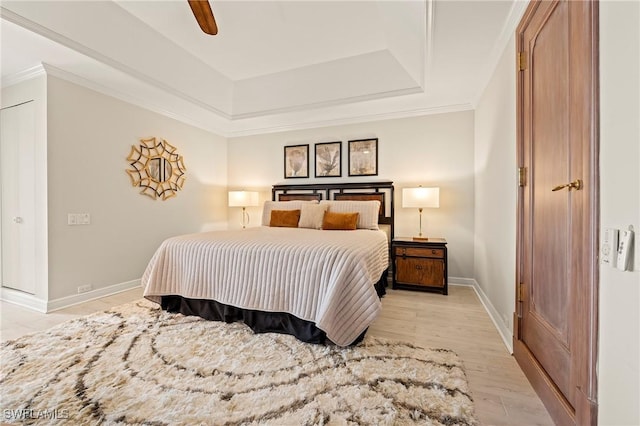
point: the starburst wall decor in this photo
(157, 168)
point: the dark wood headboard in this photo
(382, 191)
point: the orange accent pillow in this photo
(285, 218)
(340, 221)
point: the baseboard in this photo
(503, 330)
(469, 282)
(65, 302)
(23, 299)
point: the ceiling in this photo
(274, 65)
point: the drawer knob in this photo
(433, 252)
(419, 267)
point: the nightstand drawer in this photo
(420, 252)
(420, 271)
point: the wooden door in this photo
(17, 197)
(556, 311)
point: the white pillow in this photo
(311, 215)
(281, 205)
(369, 211)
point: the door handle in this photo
(17, 219)
(576, 184)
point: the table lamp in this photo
(243, 199)
(420, 198)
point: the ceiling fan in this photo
(204, 15)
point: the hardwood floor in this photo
(16, 321)
(501, 393)
(458, 321)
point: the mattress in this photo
(325, 277)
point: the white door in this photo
(17, 197)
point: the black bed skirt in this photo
(258, 321)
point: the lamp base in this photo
(245, 217)
(420, 239)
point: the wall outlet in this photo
(78, 219)
(84, 288)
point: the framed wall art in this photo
(328, 159)
(363, 157)
(296, 161)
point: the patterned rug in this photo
(136, 364)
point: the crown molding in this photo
(126, 97)
(50, 70)
(330, 103)
(53, 71)
(19, 77)
(417, 112)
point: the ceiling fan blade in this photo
(204, 15)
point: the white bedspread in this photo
(326, 277)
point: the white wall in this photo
(496, 191)
(619, 343)
(434, 150)
(89, 138)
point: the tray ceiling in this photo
(274, 65)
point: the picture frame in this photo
(363, 157)
(296, 161)
(328, 159)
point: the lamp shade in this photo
(243, 198)
(420, 197)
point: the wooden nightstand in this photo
(420, 265)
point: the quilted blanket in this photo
(326, 277)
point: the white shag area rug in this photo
(136, 364)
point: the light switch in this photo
(84, 219)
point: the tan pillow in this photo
(285, 218)
(340, 221)
(311, 215)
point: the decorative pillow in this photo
(311, 215)
(368, 211)
(285, 218)
(340, 221)
(281, 205)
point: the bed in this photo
(317, 285)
